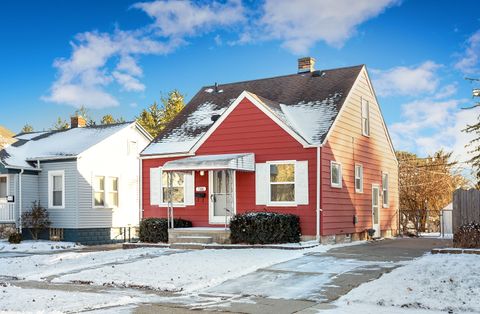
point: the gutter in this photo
(140, 190)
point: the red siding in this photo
(245, 130)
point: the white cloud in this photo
(468, 63)
(300, 24)
(404, 80)
(99, 60)
(185, 18)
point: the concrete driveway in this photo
(309, 283)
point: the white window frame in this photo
(106, 190)
(131, 143)
(7, 187)
(333, 184)
(52, 174)
(283, 203)
(385, 188)
(358, 190)
(365, 131)
(165, 204)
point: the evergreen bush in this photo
(154, 230)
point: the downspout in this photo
(20, 200)
(140, 191)
(318, 209)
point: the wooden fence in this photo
(466, 207)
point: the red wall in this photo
(245, 130)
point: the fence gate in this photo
(466, 207)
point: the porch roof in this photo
(241, 162)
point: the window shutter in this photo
(190, 188)
(261, 183)
(301, 182)
(155, 185)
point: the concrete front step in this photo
(187, 246)
(194, 239)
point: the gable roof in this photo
(51, 145)
(307, 103)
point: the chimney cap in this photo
(306, 64)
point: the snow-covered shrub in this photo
(265, 227)
(467, 236)
(15, 238)
(36, 220)
(154, 230)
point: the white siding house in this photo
(86, 177)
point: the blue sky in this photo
(119, 56)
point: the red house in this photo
(313, 144)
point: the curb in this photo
(219, 246)
(456, 251)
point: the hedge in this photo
(154, 230)
(264, 228)
(467, 236)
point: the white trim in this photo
(6, 176)
(260, 105)
(361, 178)
(211, 218)
(318, 209)
(269, 199)
(156, 156)
(376, 186)
(51, 174)
(332, 184)
(386, 205)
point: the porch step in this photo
(193, 239)
(187, 246)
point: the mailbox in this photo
(11, 198)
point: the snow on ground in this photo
(30, 246)
(15, 299)
(188, 271)
(439, 282)
(36, 267)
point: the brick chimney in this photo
(306, 64)
(77, 122)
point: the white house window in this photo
(385, 189)
(282, 182)
(132, 148)
(365, 117)
(359, 178)
(178, 187)
(112, 200)
(3, 188)
(99, 191)
(56, 189)
(335, 174)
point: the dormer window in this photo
(365, 117)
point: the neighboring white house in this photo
(87, 178)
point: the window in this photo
(336, 174)
(282, 182)
(105, 191)
(56, 189)
(112, 199)
(132, 148)
(365, 118)
(385, 189)
(359, 178)
(3, 188)
(178, 187)
(99, 191)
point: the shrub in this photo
(36, 220)
(154, 230)
(467, 236)
(264, 227)
(15, 238)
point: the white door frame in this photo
(376, 226)
(8, 187)
(220, 220)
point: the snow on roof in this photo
(29, 136)
(244, 162)
(184, 137)
(55, 144)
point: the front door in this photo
(222, 196)
(376, 209)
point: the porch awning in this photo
(241, 162)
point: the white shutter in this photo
(155, 185)
(261, 183)
(190, 188)
(301, 182)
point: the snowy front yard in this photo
(439, 283)
(29, 246)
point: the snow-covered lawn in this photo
(440, 282)
(30, 246)
(36, 267)
(185, 271)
